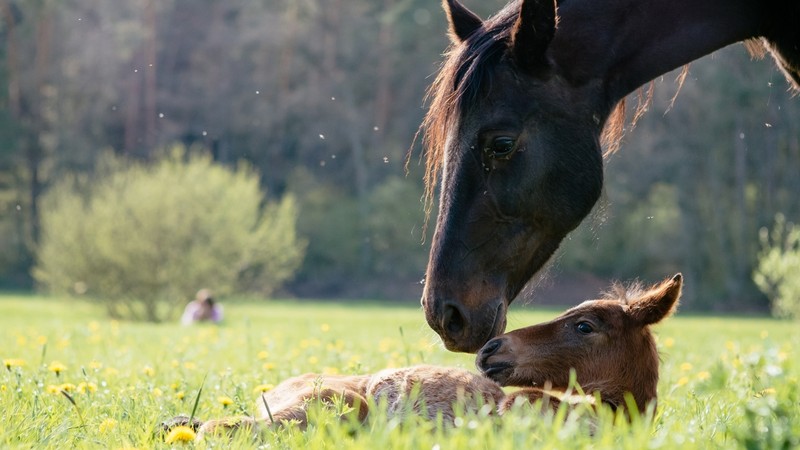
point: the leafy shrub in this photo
(778, 270)
(142, 239)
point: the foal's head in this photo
(606, 341)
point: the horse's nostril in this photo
(453, 320)
(491, 347)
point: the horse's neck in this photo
(623, 44)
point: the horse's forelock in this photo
(465, 69)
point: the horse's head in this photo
(607, 342)
(518, 150)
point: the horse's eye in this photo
(501, 147)
(584, 327)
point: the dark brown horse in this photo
(516, 120)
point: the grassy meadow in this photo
(725, 382)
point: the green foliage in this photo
(338, 96)
(395, 224)
(142, 239)
(777, 271)
(352, 243)
(725, 382)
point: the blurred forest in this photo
(324, 99)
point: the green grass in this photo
(725, 382)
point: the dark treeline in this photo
(324, 99)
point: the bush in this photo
(778, 270)
(143, 239)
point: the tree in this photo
(143, 238)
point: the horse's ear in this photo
(658, 302)
(532, 33)
(463, 22)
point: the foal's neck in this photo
(623, 44)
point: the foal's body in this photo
(606, 342)
(440, 388)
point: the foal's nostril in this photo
(453, 320)
(491, 347)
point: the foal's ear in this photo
(463, 22)
(532, 33)
(658, 302)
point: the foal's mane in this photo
(623, 293)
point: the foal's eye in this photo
(584, 327)
(500, 147)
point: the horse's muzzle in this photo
(463, 329)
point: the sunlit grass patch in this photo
(725, 383)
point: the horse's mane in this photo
(465, 69)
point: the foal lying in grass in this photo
(607, 342)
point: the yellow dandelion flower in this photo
(336, 346)
(268, 366)
(175, 363)
(94, 326)
(111, 372)
(95, 365)
(56, 367)
(325, 328)
(157, 392)
(87, 387)
(3, 388)
(180, 395)
(149, 371)
(263, 354)
(683, 381)
(13, 362)
(730, 345)
(225, 401)
(107, 425)
(189, 365)
(313, 360)
(41, 340)
(67, 387)
(62, 343)
(764, 334)
(21, 340)
(704, 375)
(330, 371)
(52, 389)
(685, 367)
(669, 342)
(180, 434)
(261, 388)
